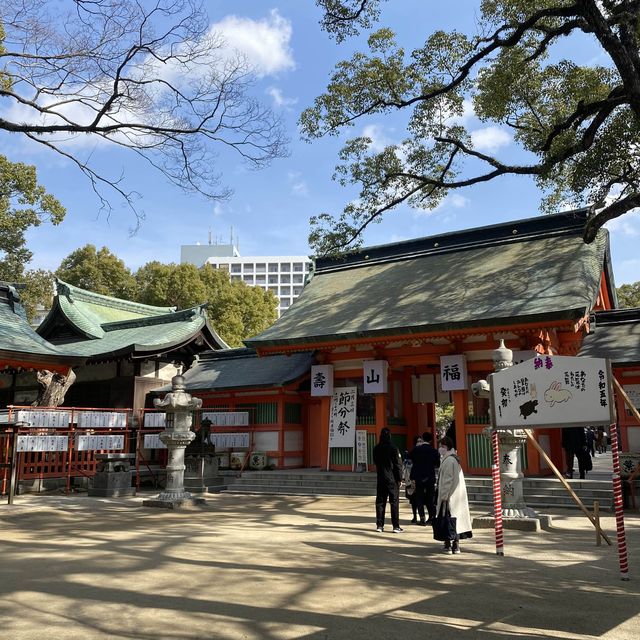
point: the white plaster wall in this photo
(293, 441)
(293, 462)
(168, 370)
(265, 441)
(633, 433)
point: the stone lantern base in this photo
(536, 523)
(174, 502)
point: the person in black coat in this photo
(425, 461)
(389, 470)
(574, 443)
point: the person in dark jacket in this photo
(425, 461)
(574, 443)
(389, 469)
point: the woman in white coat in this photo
(452, 490)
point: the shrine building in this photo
(423, 317)
(129, 348)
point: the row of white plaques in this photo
(61, 443)
(216, 418)
(220, 440)
(84, 419)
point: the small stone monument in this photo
(178, 405)
(113, 476)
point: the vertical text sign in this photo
(375, 376)
(342, 419)
(322, 380)
(453, 372)
(361, 446)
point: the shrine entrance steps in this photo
(539, 492)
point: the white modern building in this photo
(283, 275)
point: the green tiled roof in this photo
(521, 271)
(615, 335)
(19, 341)
(152, 335)
(97, 326)
(241, 368)
(88, 311)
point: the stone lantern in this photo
(511, 441)
(178, 405)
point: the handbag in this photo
(444, 525)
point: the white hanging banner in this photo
(423, 388)
(42, 443)
(154, 420)
(361, 446)
(101, 419)
(226, 418)
(98, 443)
(375, 376)
(44, 418)
(553, 391)
(633, 391)
(442, 397)
(453, 372)
(342, 418)
(322, 380)
(152, 441)
(229, 440)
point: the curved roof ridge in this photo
(77, 294)
(191, 313)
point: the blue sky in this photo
(270, 209)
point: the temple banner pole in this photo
(617, 501)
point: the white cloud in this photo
(378, 138)
(298, 185)
(218, 209)
(490, 139)
(467, 114)
(458, 201)
(452, 201)
(265, 43)
(626, 226)
(279, 100)
(626, 272)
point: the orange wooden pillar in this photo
(325, 414)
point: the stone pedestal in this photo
(178, 406)
(513, 504)
(201, 473)
(113, 476)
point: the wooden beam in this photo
(571, 492)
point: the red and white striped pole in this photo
(617, 501)
(497, 493)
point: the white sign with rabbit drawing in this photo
(553, 391)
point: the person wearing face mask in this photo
(452, 495)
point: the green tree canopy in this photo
(38, 292)
(629, 295)
(99, 271)
(236, 311)
(579, 123)
(23, 204)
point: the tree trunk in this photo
(54, 387)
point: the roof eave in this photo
(441, 328)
